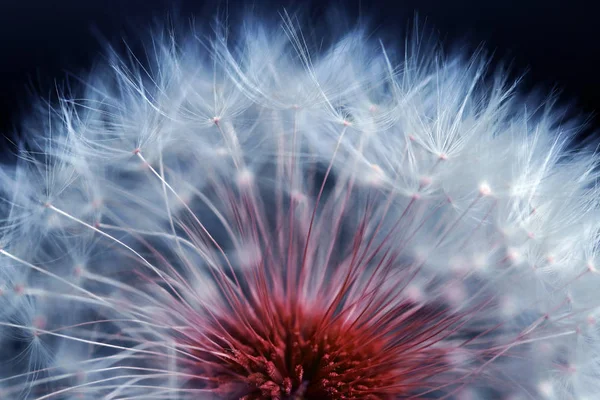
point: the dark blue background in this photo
(558, 42)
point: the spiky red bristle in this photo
(294, 352)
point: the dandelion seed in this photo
(263, 221)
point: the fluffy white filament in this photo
(120, 200)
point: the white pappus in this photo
(248, 216)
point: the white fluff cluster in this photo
(127, 195)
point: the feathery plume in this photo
(253, 219)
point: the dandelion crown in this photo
(258, 219)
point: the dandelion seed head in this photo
(261, 218)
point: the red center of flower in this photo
(315, 354)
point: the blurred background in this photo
(555, 42)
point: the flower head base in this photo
(303, 355)
(346, 340)
(261, 222)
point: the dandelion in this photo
(257, 219)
